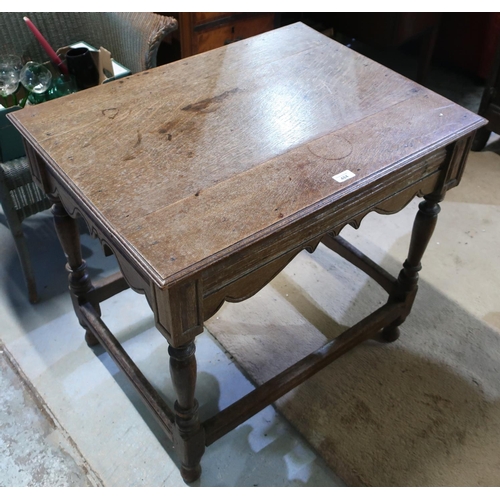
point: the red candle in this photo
(50, 51)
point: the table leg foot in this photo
(388, 334)
(91, 339)
(191, 474)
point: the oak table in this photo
(207, 176)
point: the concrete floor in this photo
(71, 419)
(35, 450)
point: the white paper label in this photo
(343, 176)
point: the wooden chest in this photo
(202, 31)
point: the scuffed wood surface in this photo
(189, 161)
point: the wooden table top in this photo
(188, 162)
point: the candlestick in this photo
(45, 45)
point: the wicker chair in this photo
(133, 38)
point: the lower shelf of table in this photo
(266, 394)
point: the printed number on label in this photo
(343, 176)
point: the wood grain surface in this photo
(188, 161)
(206, 177)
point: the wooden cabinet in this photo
(490, 105)
(468, 40)
(202, 31)
(390, 29)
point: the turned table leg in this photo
(79, 280)
(406, 286)
(189, 438)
